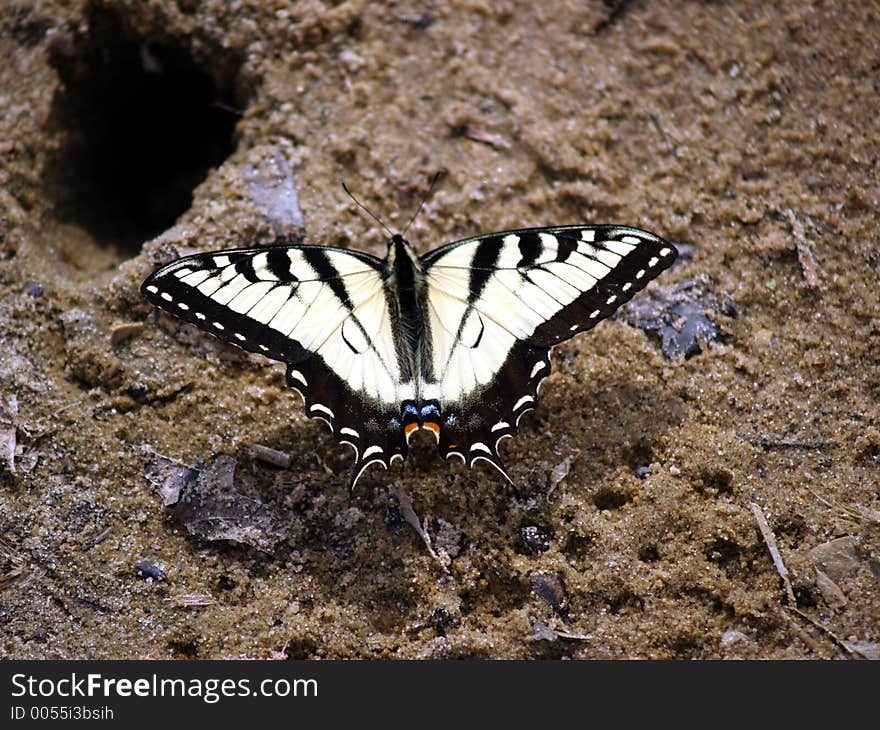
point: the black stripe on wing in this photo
(483, 264)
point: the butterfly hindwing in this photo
(497, 304)
(323, 311)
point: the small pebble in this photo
(270, 456)
(544, 633)
(734, 637)
(33, 289)
(677, 314)
(535, 538)
(831, 593)
(868, 649)
(550, 588)
(149, 571)
(121, 332)
(837, 559)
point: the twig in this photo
(856, 514)
(674, 144)
(192, 600)
(828, 632)
(270, 456)
(412, 518)
(548, 633)
(495, 141)
(97, 539)
(770, 541)
(560, 471)
(804, 251)
(573, 637)
(770, 443)
(802, 633)
(227, 108)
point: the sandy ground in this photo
(746, 130)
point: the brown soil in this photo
(747, 129)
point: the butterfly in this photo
(454, 342)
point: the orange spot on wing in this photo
(409, 428)
(431, 426)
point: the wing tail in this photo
(473, 429)
(374, 433)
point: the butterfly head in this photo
(400, 250)
(402, 265)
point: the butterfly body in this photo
(454, 342)
(405, 292)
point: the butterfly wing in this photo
(496, 304)
(321, 310)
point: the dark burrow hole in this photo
(301, 648)
(639, 458)
(715, 482)
(139, 123)
(187, 649)
(724, 553)
(578, 546)
(609, 498)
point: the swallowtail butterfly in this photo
(454, 342)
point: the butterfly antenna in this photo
(366, 210)
(437, 176)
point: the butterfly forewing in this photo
(547, 284)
